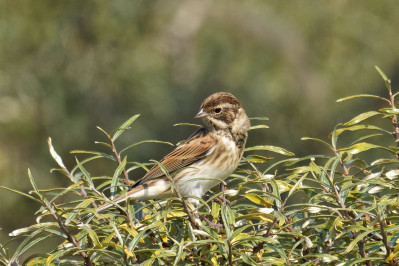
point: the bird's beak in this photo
(201, 114)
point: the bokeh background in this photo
(68, 66)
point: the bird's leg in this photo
(190, 214)
(222, 198)
(216, 226)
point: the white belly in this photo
(198, 178)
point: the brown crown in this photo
(219, 98)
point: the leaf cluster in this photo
(333, 208)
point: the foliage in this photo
(318, 209)
(67, 66)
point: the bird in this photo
(209, 155)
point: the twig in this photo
(65, 229)
(186, 209)
(395, 124)
(350, 216)
(230, 254)
(118, 160)
(385, 238)
(58, 160)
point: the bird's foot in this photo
(222, 199)
(211, 224)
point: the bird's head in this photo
(222, 110)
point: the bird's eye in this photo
(218, 110)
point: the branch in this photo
(118, 159)
(58, 160)
(65, 229)
(395, 124)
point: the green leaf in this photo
(385, 78)
(356, 240)
(361, 117)
(92, 234)
(270, 148)
(33, 228)
(319, 140)
(215, 210)
(258, 127)
(259, 118)
(245, 258)
(390, 111)
(102, 154)
(145, 141)
(136, 239)
(358, 261)
(28, 242)
(256, 159)
(54, 154)
(255, 198)
(85, 173)
(361, 147)
(187, 124)
(179, 253)
(104, 144)
(365, 137)
(230, 215)
(124, 126)
(21, 193)
(297, 184)
(226, 221)
(360, 127)
(362, 96)
(32, 181)
(115, 179)
(103, 131)
(56, 255)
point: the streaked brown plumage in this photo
(209, 155)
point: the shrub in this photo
(339, 207)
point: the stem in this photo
(82, 192)
(65, 229)
(118, 159)
(384, 237)
(230, 254)
(350, 216)
(395, 124)
(186, 209)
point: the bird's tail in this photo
(119, 199)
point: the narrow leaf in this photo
(255, 198)
(124, 126)
(318, 140)
(258, 127)
(145, 141)
(102, 154)
(361, 117)
(360, 127)
(385, 78)
(54, 154)
(361, 147)
(270, 148)
(257, 159)
(356, 240)
(259, 118)
(362, 96)
(186, 124)
(32, 181)
(21, 193)
(115, 179)
(92, 234)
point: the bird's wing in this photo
(192, 150)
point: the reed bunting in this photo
(209, 155)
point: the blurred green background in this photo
(68, 66)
